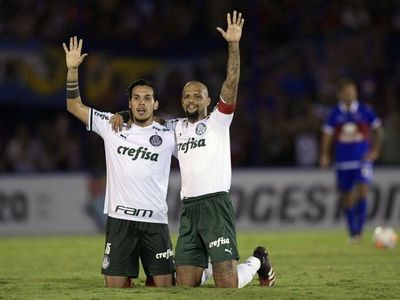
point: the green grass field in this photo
(309, 265)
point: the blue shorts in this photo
(347, 179)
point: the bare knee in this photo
(225, 274)
(163, 280)
(188, 276)
(117, 281)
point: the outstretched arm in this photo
(73, 59)
(232, 36)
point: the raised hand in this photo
(73, 55)
(234, 30)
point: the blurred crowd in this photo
(292, 54)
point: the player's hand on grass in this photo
(73, 55)
(234, 30)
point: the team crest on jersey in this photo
(201, 129)
(106, 262)
(155, 140)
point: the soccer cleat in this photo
(266, 273)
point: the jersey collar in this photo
(137, 126)
(186, 121)
(353, 106)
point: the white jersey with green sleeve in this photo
(204, 154)
(138, 163)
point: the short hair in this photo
(140, 82)
(343, 82)
(198, 83)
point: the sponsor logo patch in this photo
(221, 241)
(167, 254)
(191, 144)
(131, 211)
(101, 116)
(141, 153)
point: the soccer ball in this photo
(384, 237)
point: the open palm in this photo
(73, 55)
(234, 30)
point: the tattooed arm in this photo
(232, 36)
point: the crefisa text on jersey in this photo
(190, 144)
(101, 116)
(134, 153)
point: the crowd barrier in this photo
(264, 199)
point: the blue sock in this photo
(361, 211)
(351, 220)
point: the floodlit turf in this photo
(309, 265)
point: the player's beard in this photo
(195, 115)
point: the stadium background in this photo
(292, 52)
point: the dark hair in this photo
(142, 82)
(343, 82)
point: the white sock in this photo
(247, 270)
(207, 273)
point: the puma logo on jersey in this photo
(141, 153)
(228, 250)
(124, 136)
(191, 144)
